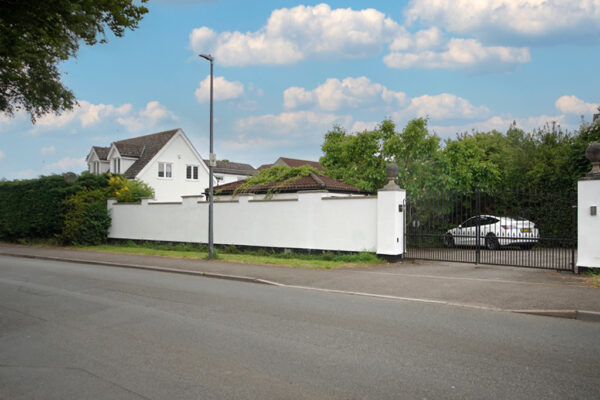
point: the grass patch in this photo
(592, 278)
(326, 260)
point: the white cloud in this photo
(48, 150)
(294, 34)
(26, 174)
(500, 124)
(222, 89)
(2, 154)
(460, 53)
(153, 115)
(300, 123)
(521, 20)
(87, 114)
(243, 142)
(67, 164)
(334, 95)
(574, 105)
(360, 126)
(422, 40)
(441, 106)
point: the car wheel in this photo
(526, 246)
(448, 240)
(491, 242)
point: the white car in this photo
(494, 232)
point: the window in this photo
(191, 172)
(165, 170)
(116, 165)
(96, 167)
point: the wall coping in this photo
(269, 200)
(349, 197)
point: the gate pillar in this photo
(390, 221)
(588, 212)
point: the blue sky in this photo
(287, 71)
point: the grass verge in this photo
(230, 253)
(592, 278)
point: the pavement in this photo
(498, 288)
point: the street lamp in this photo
(212, 160)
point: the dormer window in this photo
(165, 170)
(116, 167)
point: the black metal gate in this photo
(503, 227)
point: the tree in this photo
(35, 36)
(360, 158)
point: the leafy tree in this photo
(36, 35)
(357, 159)
(360, 159)
(468, 167)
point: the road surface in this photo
(77, 331)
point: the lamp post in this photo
(212, 159)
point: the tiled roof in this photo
(264, 166)
(144, 148)
(228, 167)
(310, 182)
(294, 162)
(101, 152)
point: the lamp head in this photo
(207, 57)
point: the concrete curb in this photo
(146, 267)
(582, 315)
(590, 316)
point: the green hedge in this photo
(34, 208)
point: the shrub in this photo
(128, 191)
(86, 219)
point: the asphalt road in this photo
(77, 331)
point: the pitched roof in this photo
(311, 182)
(101, 152)
(144, 148)
(295, 162)
(228, 167)
(264, 166)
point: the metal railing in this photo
(504, 227)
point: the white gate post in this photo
(588, 213)
(390, 221)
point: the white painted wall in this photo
(588, 226)
(180, 153)
(307, 220)
(222, 178)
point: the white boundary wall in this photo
(307, 220)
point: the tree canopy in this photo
(36, 35)
(546, 159)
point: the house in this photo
(167, 161)
(312, 182)
(292, 163)
(226, 171)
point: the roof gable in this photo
(144, 148)
(295, 162)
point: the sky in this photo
(286, 72)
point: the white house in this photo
(227, 171)
(167, 161)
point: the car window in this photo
(489, 221)
(470, 222)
